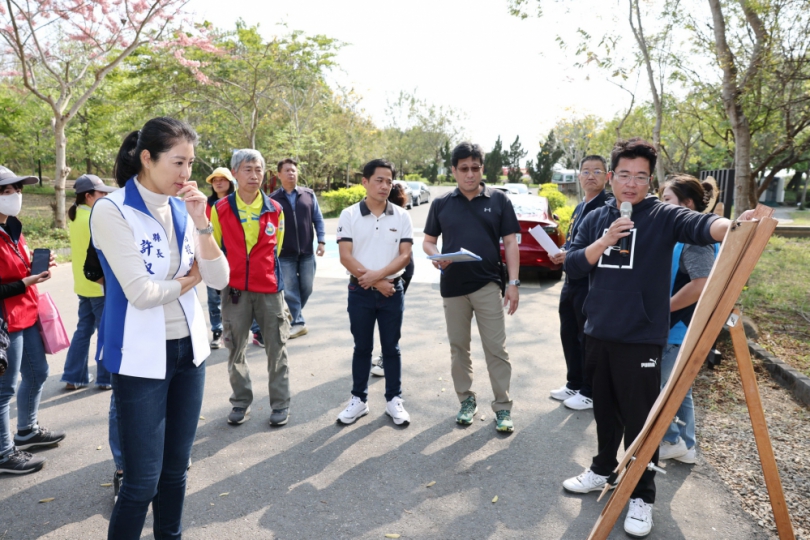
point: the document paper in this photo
(458, 256)
(544, 240)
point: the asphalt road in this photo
(316, 479)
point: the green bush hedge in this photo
(344, 197)
(555, 198)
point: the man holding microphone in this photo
(627, 311)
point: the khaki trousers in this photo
(269, 312)
(487, 304)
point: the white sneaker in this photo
(397, 412)
(689, 457)
(667, 450)
(586, 482)
(356, 408)
(638, 522)
(298, 330)
(377, 366)
(562, 393)
(578, 402)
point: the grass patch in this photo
(778, 299)
(800, 217)
(39, 232)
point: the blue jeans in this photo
(299, 274)
(113, 437)
(90, 311)
(26, 357)
(214, 313)
(367, 307)
(157, 423)
(686, 412)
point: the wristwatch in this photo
(207, 230)
(515, 282)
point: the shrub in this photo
(344, 197)
(414, 177)
(564, 213)
(555, 198)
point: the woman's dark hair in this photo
(158, 135)
(465, 150)
(397, 195)
(81, 198)
(703, 194)
(214, 192)
(631, 149)
(374, 164)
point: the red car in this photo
(532, 211)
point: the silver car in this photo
(420, 193)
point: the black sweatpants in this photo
(572, 324)
(626, 382)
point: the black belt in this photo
(353, 280)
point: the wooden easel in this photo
(741, 249)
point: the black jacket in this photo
(582, 210)
(628, 299)
(298, 227)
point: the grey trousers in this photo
(487, 304)
(269, 312)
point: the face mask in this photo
(11, 204)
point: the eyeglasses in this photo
(637, 180)
(586, 174)
(474, 169)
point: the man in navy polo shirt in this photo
(296, 260)
(475, 217)
(375, 239)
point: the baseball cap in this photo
(223, 172)
(7, 177)
(90, 182)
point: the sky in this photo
(506, 76)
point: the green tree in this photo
(494, 162)
(447, 161)
(548, 156)
(512, 159)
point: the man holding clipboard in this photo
(474, 217)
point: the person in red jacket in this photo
(249, 226)
(26, 354)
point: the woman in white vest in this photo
(155, 244)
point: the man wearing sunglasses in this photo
(627, 311)
(475, 217)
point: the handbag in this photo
(50, 325)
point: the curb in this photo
(793, 231)
(797, 383)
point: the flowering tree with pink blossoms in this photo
(63, 50)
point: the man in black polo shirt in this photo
(576, 393)
(475, 217)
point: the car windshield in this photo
(414, 185)
(517, 188)
(530, 205)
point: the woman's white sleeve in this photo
(215, 273)
(114, 238)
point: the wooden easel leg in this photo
(749, 383)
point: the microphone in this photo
(626, 210)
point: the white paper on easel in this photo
(544, 240)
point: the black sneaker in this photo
(258, 340)
(216, 343)
(238, 415)
(38, 437)
(19, 462)
(118, 479)
(279, 417)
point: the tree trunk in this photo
(62, 171)
(804, 191)
(744, 190)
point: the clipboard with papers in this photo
(459, 256)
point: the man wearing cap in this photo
(26, 353)
(297, 260)
(249, 226)
(89, 188)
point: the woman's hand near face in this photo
(196, 202)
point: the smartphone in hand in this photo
(41, 261)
